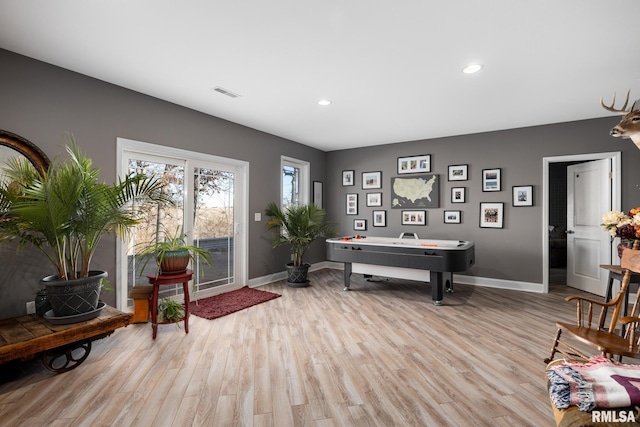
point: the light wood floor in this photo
(380, 355)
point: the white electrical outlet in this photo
(31, 307)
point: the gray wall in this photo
(42, 102)
(514, 252)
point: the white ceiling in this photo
(392, 69)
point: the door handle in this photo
(569, 232)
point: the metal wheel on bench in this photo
(67, 357)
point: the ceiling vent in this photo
(226, 92)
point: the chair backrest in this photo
(630, 263)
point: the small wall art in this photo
(458, 194)
(414, 164)
(360, 224)
(452, 217)
(414, 217)
(523, 195)
(348, 178)
(352, 204)
(491, 215)
(379, 218)
(371, 180)
(458, 173)
(374, 199)
(491, 179)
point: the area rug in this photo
(230, 302)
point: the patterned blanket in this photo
(599, 383)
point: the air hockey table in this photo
(439, 257)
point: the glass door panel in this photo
(213, 226)
(158, 221)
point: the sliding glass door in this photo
(209, 209)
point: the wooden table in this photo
(169, 279)
(63, 347)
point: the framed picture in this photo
(348, 178)
(523, 195)
(352, 204)
(491, 215)
(374, 199)
(457, 194)
(317, 193)
(415, 191)
(414, 217)
(371, 180)
(491, 179)
(452, 217)
(379, 218)
(414, 164)
(360, 224)
(458, 173)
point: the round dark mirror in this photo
(12, 145)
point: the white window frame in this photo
(191, 159)
(305, 174)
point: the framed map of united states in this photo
(416, 192)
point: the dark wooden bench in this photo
(62, 347)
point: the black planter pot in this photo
(73, 297)
(297, 275)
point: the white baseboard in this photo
(410, 274)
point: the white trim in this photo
(305, 176)
(486, 282)
(241, 183)
(616, 180)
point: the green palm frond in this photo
(66, 211)
(297, 226)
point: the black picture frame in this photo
(491, 179)
(414, 164)
(374, 199)
(413, 217)
(458, 173)
(379, 218)
(348, 178)
(522, 195)
(458, 194)
(452, 217)
(371, 180)
(360, 224)
(491, 215)
(352, 204)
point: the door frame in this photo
(241, 186)
(616, 192)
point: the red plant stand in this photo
(169, 279)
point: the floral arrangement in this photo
(619, 224)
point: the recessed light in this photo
(324, 102)
(472, 68)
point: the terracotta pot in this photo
(174, 262)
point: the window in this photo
(295, 182)
(210, 208)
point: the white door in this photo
(588, 246)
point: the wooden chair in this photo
(608, 340)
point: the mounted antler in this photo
(613, 102)
(629, 126)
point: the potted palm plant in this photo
(64, 212)
(171, 252)
(297, 226)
